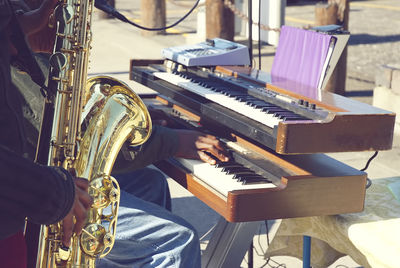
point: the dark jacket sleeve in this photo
(43, 194)
(162, 144)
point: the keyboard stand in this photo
(228, 244)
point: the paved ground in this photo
(375, 40)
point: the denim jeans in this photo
(148, 235)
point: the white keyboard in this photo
(210, 53)
(258, 114)
(219, 180)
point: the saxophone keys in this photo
(64, 252)
(103, 192)
(113, 196)
(58, 61)
(94, 239)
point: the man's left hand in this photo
(35, 25)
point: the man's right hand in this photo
(79, 209)
(197, 145)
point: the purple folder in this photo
(299, 60)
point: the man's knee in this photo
(148, 184)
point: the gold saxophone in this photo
(92, 119)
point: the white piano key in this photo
(218, 180)
(229, 102)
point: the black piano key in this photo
(282, 115)
(230, 168)
(247, 99)
(213, 84)
(250, 102)
(240, 177)
(247, 179)
(238, 168)
(255, 181)
(239, 172)
(238, 96)
(272, 111)
(288, 115)
(293, 118)
(220, 90)
(261, 104)
(202, 83)
(264, 106)
(229, 93)
(227, 164)
(216, 89)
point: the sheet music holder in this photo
(341, 39)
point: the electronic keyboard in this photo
(215, 51)
(285, 119)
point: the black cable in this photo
(369, 182)
(103, 5)
(369, 161)
(250, 256)
(267, 234)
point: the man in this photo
(147, 234)
(43, 194)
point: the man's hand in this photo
(197, 145)
(79, 210)
(192, 144)
(35, 24)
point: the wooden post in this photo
(335, 12)
(220, 20)
(153, 16)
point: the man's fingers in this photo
(82, 203)
(80, 217)
(213, 146)
(82, 183)
(196, 145)
(220, 154)
(82, 186)
(84, 198)
(209, 141)
(76, 218)
(206, 158)
(68, 225)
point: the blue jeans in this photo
(147, 234)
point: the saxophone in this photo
(92, 119)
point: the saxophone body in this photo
(92, 119)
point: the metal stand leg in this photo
(228, 244)
(306, 251)
(250, 255)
